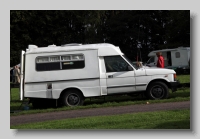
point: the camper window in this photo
(49, 63)
(73, 65)
(42, 59)
(52, 59)
(177, 54)
(65, 58)
(77, 57)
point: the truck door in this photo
(22, 75)
(119, 74)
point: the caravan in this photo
(72, 72)
(178, 58)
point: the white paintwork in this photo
(121, 82)
(104, 49)
(21, 90)
(92, 80)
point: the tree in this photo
(128, 29)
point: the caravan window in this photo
(151, 60)
(63, 62)
(177, 54)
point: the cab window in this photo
(115, 64)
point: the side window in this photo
(152, 59)
(63, 62)
(115, 64)
(177, 54)
(73, 62)
(47, 63)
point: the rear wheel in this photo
(157, 90)
(73, 98)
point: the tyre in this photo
(157, 90)
(73, 98)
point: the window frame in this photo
(112, 67)
(60, 61)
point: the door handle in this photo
(110, 76)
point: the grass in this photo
(183, 94)
(183, 78)
(174, 119)
(110, 101)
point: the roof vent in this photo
(71, 44)
(53, 45)
(32, 46)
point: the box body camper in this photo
(178, 58)
(73, 72)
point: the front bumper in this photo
(174, 85)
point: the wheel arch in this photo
(70, 88)
(159, 80)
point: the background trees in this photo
(133, 31)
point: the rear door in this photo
(119, 77)
(22, 75)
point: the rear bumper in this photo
(174, 85)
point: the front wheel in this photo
(73, 98)
(158, 90)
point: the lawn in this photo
(174, 119)
(183, 78)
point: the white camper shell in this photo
(173, 58)
(70, 73)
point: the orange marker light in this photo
(175, 76)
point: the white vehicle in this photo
(73, 72)
(173, 58)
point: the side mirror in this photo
(130, 68)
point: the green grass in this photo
(183, 78)
(174, 119)
(183, 94)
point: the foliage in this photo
(127, 29)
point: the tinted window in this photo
(73, 65)
(63, 62)
(48, 66)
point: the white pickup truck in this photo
(73, 72)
